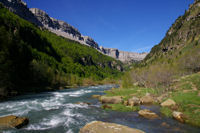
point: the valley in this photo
(53, 78)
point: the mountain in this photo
(176, 55)
(126, 57)
(182, 40)
(61, 28)
(33, 59)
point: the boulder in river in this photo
(134, 101)
(96, 96)
(147, 99)
(168, 103)
(104, 127)
(13, 122)
(148, 114)
(111, 100)
(178, 116)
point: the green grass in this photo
(123, 108)
(166, 111)
(127, 93)
(188, 102)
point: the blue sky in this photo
(129, 25)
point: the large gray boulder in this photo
(104, 127)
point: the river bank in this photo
(181, 102)
(59, 111)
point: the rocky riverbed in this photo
(67, 111)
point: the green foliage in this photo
(33, 57)
(166, 111)
(187, 99)
(122, 108)
(127, 93)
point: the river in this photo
(58, 112)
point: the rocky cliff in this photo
(20, 8)
(61, 28)
(181, 38)
(123, 56)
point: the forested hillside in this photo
(34, 59)
(177, 54)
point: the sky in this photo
(129, 25)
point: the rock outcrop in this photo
(104, 127)
(13, 122)
(61, 28)
(122, 55)
(20, 8)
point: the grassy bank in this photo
(185, 91)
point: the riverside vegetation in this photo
(170, 71)
(33, 59)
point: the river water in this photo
(58, 112)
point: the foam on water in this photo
(56, 112)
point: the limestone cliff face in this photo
(20, 8)
(61, 28)
(122, 55)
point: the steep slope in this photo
(182, 39)
(35, 58)
(176, 55)
(61, 28)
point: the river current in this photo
(58, 112)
